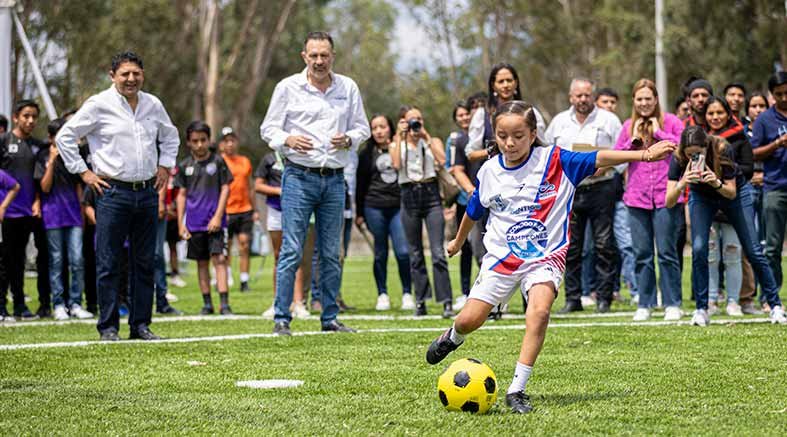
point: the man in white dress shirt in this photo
(133, 144)
(316, 120)
(585, 127)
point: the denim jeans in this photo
(739, 212)
(628, 261)
(421, 205)
(121, 213)
(466, 258)
(594, 204)
(304, 193)
(661, 225)
(384, 223)
(65, 241)
(160, 266)
(775, 212)
(723, 235)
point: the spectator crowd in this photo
(103, 196)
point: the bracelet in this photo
(645, 155)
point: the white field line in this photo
(372, 317)
(217, 338)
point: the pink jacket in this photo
(647, 181)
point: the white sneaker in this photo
(171, 297)
(383, 303)
(177, 281)
(642, 315)
(700, 318)
(460, 302)
(408, 303)
(734, 310)
(777, 315)
(269, 313)
(79, 313)
(60, 313)
(587, 301)
(299, 311)
(672, 314)
(713, 309)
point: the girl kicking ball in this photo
(528, 190)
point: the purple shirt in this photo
(60, 207)
(647, 181)
(6, 184)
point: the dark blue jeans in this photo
(384, 223)
(740, 213)
(160, 266)
(658, 225)
(121, 212)
(304, 194)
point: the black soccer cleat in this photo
(519, 402)
(441, 347)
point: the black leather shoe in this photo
(169, 310)
(571, 306)
(337, 327)
(441, 347)
(602, 306)
(519, 402)
(110, 336)
(420, 309)
(143, 333)
(282, 328)
(343, 306)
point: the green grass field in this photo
(596, 375)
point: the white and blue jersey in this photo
(529, 207)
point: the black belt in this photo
(133, 186)
(418, 183)
(322, 171)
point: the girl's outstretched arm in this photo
(656, 152)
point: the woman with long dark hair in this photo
(416, 155)
(705, 164)
(377, 201)
(504, 86)
(721, 122)
(644, 197)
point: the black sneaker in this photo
(244, 287)
(207, 309)
(337, 327)
(448, 310)
(110, 336)
(441, 347)
(44, 312)
(282, 328)
(225, 310)
(143, 333)
(170, 310)
(25, 315)
(519, 402)
(420, 309)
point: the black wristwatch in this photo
(721, 184)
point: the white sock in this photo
(244, 277)
(229, 273)
(456, 337)
(521, 375)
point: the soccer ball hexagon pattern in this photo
(467, 385)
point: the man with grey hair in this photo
(585, 127)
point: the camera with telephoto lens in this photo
(414, 125)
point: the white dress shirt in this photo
(475, 131)
(124, 144)
(299, 108)
(600, 130)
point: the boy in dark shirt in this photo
(17, 158)
(203, 179)
(62, 218)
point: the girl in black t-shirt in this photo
(705, 164)
(378, 207)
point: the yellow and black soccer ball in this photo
(467, 385)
